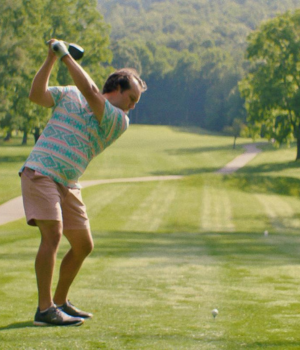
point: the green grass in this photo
(274, 162)
(12, 157)
(141, 151)
(168, 252)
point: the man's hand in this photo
(59, 48)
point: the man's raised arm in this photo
(82, 80)
(39, 93)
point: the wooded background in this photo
(192, 54)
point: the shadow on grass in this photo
(247, 170)
(286, 344)
(194, 130)
(270, 167)
(280, 344)
(244, 248)
(200, 169)
(282, 185)
(222, 148)
(13, 159)
(18, 325)
(185, 172)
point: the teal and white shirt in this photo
(73, 136)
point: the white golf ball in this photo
(266, 233)
(215, 312)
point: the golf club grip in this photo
(54, 47)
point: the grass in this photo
(141, 151)
(274, 162)
(168, 252)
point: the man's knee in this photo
(87, 248)
(81, 242)
(51, 231)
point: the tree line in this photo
(191, 53)
(200, 67)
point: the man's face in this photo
(127, 99)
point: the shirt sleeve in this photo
(114, 122)
(57, 93)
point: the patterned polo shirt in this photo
(73, 136)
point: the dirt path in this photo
(13, 209)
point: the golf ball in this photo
(215, 312)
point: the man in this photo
(84, 122)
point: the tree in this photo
(238, 128)
(220, 76)
(22, 54)
(272, 88)
(16, 47)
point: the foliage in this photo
(272, 88)
(186, 24)
(198, 55)
(237, 129)
(25, 28)
(190, 53)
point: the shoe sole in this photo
(45, 324)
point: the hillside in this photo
(191, 53)
(183, 24)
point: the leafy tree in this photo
(25, 28)
(16, 65)
(238, 128)
(272, 88)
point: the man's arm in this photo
(86, 86)
(39, 93)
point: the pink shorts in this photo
(45, 199)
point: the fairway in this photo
(168, 252)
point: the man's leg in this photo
(51, 232)
(81, 246)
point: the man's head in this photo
(123, 88)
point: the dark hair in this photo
(122, 78)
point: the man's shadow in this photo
(17, 325)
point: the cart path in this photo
(241, 160)
(13, 209)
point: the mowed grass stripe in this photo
(216, 213)
(283, 216)
(109, 206)
(165, 206)
(183, 213)
(150, 213)
(248, 212)
(98, 197)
